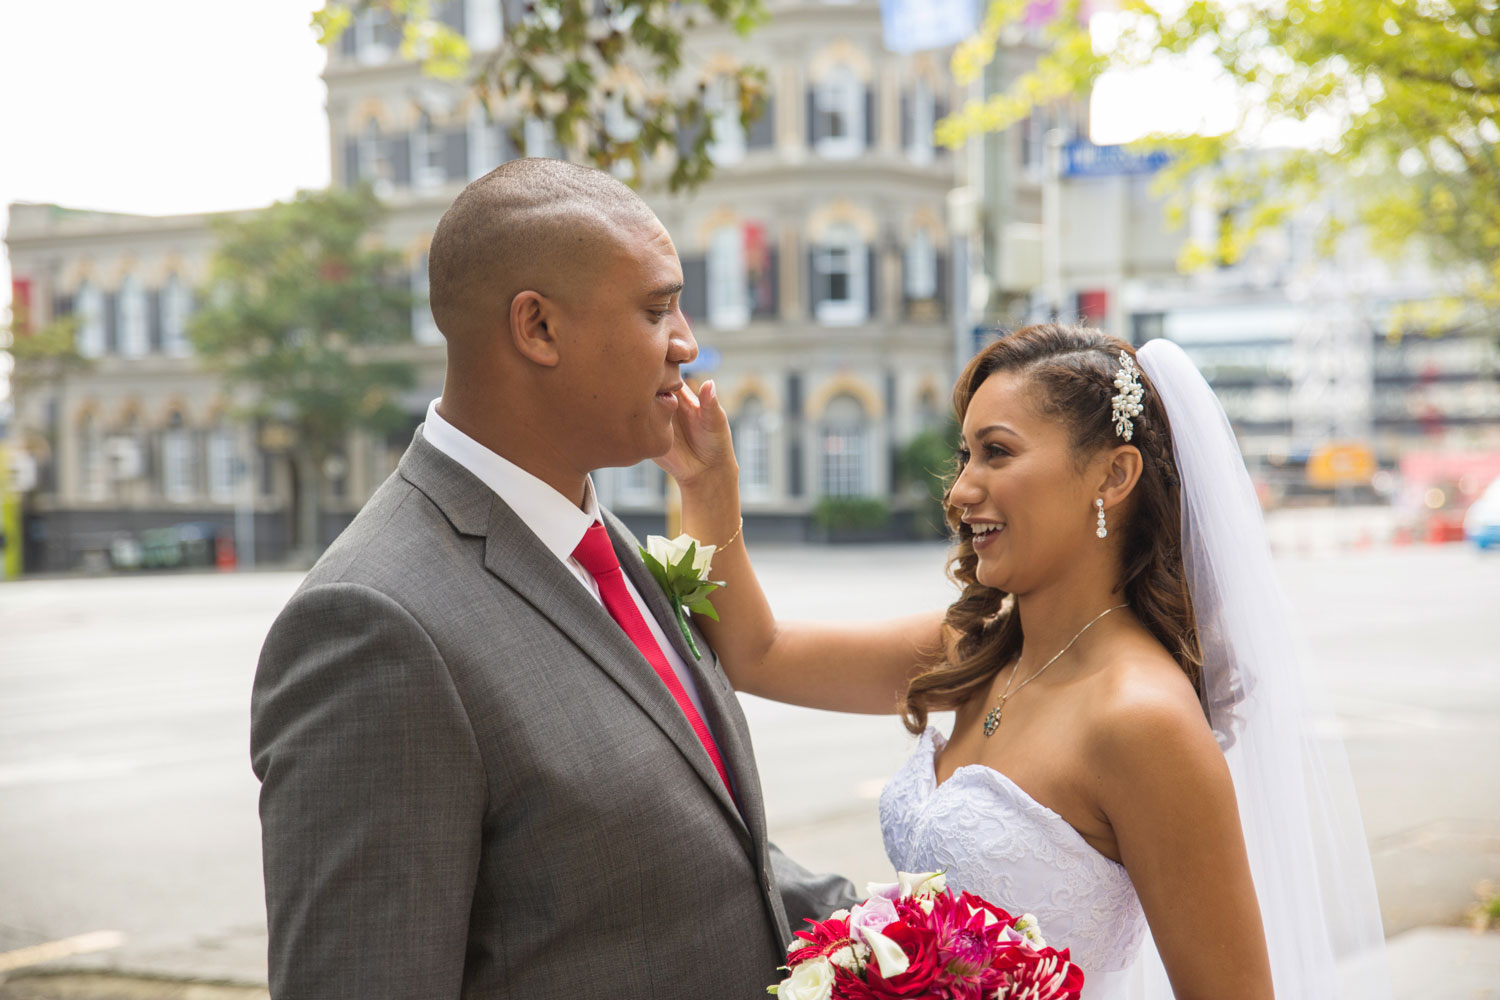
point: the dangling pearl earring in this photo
(1101, 531)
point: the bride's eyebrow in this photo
(994, 427)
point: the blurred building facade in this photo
(816, 263)
(1303, 347)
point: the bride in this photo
(1130, 758)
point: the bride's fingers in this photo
(708, 397)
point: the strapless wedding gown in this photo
(1000, 843)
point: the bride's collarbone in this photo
(1040, 749)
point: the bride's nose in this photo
(965, 491)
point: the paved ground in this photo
(127, 803)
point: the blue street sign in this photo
(707, 361)
(1082, 158)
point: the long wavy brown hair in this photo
(1070, 372)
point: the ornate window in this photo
(921, 267)
(722, 104)
(752, 443)
(838, 108)
(840, 276)
(845, 458)
(89, 308)
(426, 155)
(130, 309)
(424, 329)
(93, 462)
(223, 464)
(922, 106)
(178, 463)
(176, 306)
(728, 285)
(374, 158)
(486, 143)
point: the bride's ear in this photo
(1121, 471)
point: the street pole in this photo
(1052, 279)
(10, 521)
(244, 515)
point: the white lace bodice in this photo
(998, 842)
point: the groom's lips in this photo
(668, 397)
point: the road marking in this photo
(80, 945)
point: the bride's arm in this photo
(1166, 790)
(855, 667)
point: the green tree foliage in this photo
(925, 462)
(567, 61)
(44, 356)
(1400, 99)
(302, 306)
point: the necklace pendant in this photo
(992, 721)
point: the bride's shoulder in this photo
(1144, 711)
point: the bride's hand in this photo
(702, 452)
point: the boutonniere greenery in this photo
(680, 566)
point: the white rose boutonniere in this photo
(680, 567)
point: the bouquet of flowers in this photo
(915, 938)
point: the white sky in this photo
(158, 106)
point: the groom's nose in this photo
(682, 346)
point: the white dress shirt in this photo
(552, 517)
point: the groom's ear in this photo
(1122, 470)
(532, 316)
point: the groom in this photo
(488, 769)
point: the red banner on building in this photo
(20, 306)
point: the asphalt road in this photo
(127, 804)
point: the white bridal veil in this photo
(1307, 847)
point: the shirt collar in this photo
(553, 517)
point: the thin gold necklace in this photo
(992, 720)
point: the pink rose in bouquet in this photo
(916, 939)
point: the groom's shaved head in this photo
(528, 225)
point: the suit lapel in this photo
(714, 691)
(515, 555)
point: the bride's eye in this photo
(962, 455)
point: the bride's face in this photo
(1028, 502)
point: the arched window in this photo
(484, 23)
(176, 306)
(424, 329)
(722, 106)
(93, 463)
(540, 138)
(921, 109)
(486, 143)
(838, 114)
(752, 443)
(130, 308)
(426, 154)
(89, 308)
(223, 463)
(728, 284)
(375, 35)
(178, 463)
(840, 267)
(374, 157)
(845, 462)
(921, 267)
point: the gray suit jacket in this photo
(474, 785)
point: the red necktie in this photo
(597, 555)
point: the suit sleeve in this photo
(805, 895)
(372, 799)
